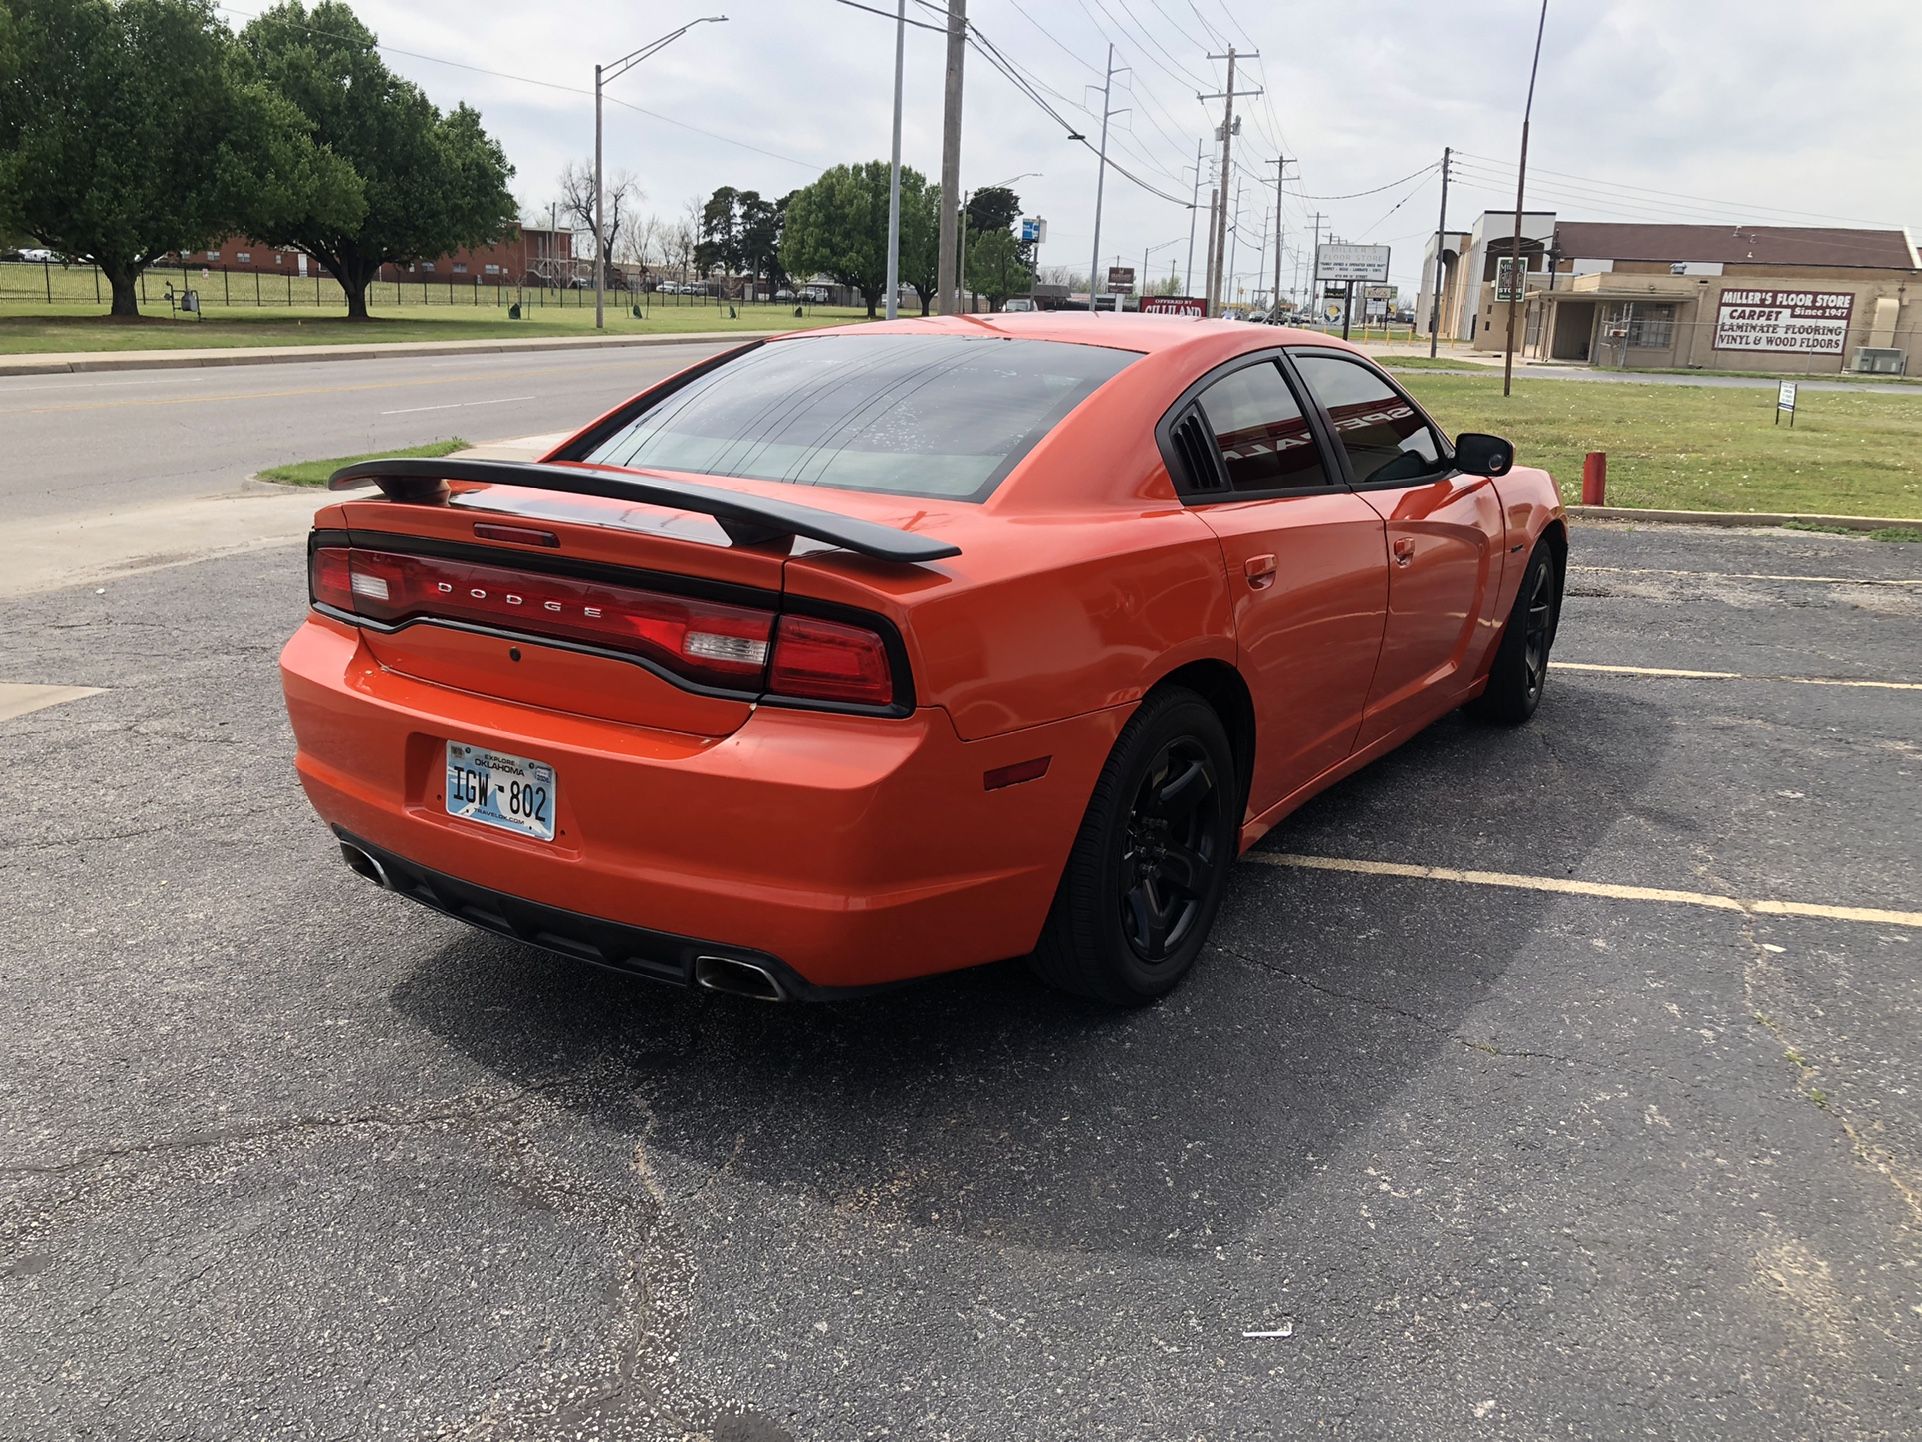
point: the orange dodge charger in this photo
(879, 651)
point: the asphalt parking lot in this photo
(1507, 1150)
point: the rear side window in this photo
(917, 415)
(1260, 430)
(1385, 436)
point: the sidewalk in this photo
(129, 360)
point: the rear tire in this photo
(1144, 880)
(1519, 673)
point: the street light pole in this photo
(603, 73)
(1100, 182)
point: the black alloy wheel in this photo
(1150, 860)
(1538, 631)
(1168, 856)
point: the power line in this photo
(1377, 190)
(1741, 205)
(890, 15)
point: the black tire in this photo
(1519, 673)
(1144, 880)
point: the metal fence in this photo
(51, 283)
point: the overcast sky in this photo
(1735, 110)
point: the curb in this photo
(1740, 518)
(84, 361)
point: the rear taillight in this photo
(714, 643)
(818, 660)
(711, 642)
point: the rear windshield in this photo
(917, 415)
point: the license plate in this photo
(496, 789)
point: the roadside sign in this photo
(1785, 401)
(1351, 262)
(1034, 230)
(1121, 279)
(1505, 279)
(1172, 305)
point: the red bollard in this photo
(1595, 478)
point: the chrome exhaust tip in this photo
(362, 863)
(737, 978)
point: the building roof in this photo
(1763, 244)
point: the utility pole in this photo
(1280, 162)
(1234, 240)
(1518, 277)
(947, 264)
(1314, 265)
(1441, 244)
(1100, 182)
(894, 174)
(1218, 238)
(1194, 206)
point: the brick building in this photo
(527, 255)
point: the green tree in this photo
(433, 182)
(133, 129)
(761, 222)
(838, 226)
(720, 244)
(920, 237)
(995, 267)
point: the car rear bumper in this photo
(856, 850)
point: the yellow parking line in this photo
(1735, 676)
(1745, 576)
(1873, 916)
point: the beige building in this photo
(1794, 299)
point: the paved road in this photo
(81, 444)
(282, 1156)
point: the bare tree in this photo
(639, 243)
(624, 193)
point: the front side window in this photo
(1387, 439)
(914, 415)
(1261, 432)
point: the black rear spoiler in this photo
(747, 519)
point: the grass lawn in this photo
(1702, 448)
(315, 473)
(44, 329)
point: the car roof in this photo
(1149, 334)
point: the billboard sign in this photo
(1173, 305)
(1034, 230)
(1351, 262)
(1801, 322)
(1121, 279)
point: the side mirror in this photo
(1481, 455)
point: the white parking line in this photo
(1874, 916)
(1744, 576)
(1734, 676)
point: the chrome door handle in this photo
(1260, 571)
(1404, 551)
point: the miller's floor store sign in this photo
(1809, 322)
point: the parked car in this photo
(1017, 305)
(814, 294)
(1001, 636)
(37, 254)
(784, 294)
